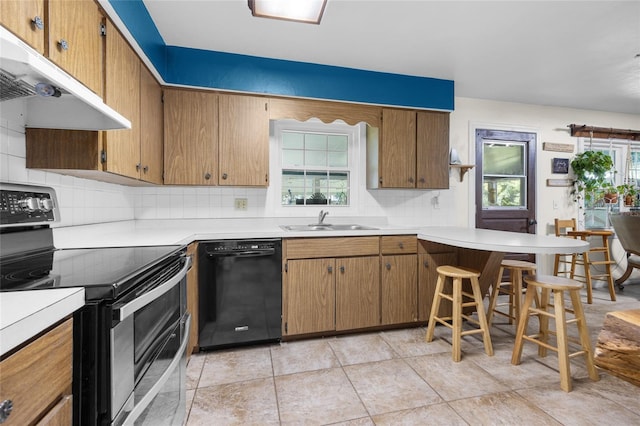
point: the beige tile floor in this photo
(395, 378)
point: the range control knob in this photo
(30, 204)
(46, 205)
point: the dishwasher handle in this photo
(244, 253)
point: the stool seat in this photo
(557, 311)
(513, 288)
(457, 297)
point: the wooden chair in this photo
(563, 262)
(457, 297)
(513, 288)
(627, 227)
(557, 286)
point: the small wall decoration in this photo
(560, 165)
(558, 147)
(559, 182)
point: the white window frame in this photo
(354, 166)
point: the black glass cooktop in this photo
(103, 272)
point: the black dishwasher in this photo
(240, 292)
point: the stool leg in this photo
(435, 307)
(587, 277)
(482, 319)
(543, 321)
(523, 321)
(563, 344)
(457, 318)
(516, 288)
(607, 258)
(495, 292)
(585, 341)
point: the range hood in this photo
(50, 98)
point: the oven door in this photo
(148, 345)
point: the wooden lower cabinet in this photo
(399, 282)
(37, 379)
(192, 298)
(357, 292)
(309, 292)
(427, 277)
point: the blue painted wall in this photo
(228, 71)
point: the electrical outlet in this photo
(555, 204)
(241, 204)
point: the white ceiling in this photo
(577, 54)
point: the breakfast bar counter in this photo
(484, 249)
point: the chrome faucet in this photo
(321, 216)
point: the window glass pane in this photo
(503, 192)
(338, 143)
(315, 158)
(503, 159)
(315, 142)
(292, 157)
(292, 140)
(338, 159)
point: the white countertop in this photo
(24, 314)
(501, 241)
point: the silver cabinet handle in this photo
(38, 22)
(130, 308)
(224, 176)
(342, 269)
(145, 169)
(330, 269)
(410, 180)
(138, 167)
(64, 45)
(388, 265)
(207, 176)
(5, 409)
(401, 244)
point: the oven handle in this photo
(139, 408)
(136, 304)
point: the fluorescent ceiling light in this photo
(309, 11)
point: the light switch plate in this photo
(241, 204)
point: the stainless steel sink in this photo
(327, 227)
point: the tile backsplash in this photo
(85, 201)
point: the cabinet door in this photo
(399, 279)
(244, 141)
(427, 277)
(309, 294)
(20, 17)
(432, 148)
(357, 292)
(151, 131)
(190, 137)
(122, 93)
(76, 24)
(192, 297)
(397, 161)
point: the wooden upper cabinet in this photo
(243, 141)
(26, 19)
(397, 151)
(190, 137)
(75, 41)
(411, 150)
(432, 150)
(151, 128)
(122, 93)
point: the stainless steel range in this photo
(130, 338)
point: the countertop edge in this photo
(51, 307)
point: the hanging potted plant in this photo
(592, 171)
(628, 192)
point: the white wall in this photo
(85, 201)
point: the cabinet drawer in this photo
(398, 244)
(39, 375)
(308, 248)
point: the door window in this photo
(504, 175)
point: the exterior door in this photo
(506, 182)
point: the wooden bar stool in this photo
(513, 288)
(587, 262)
(558, 286)
(456, 298)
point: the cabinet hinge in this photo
(103, 156)
(266, 106)
(162, 97)
(103, 30)
(286, 327)
(286, 267)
